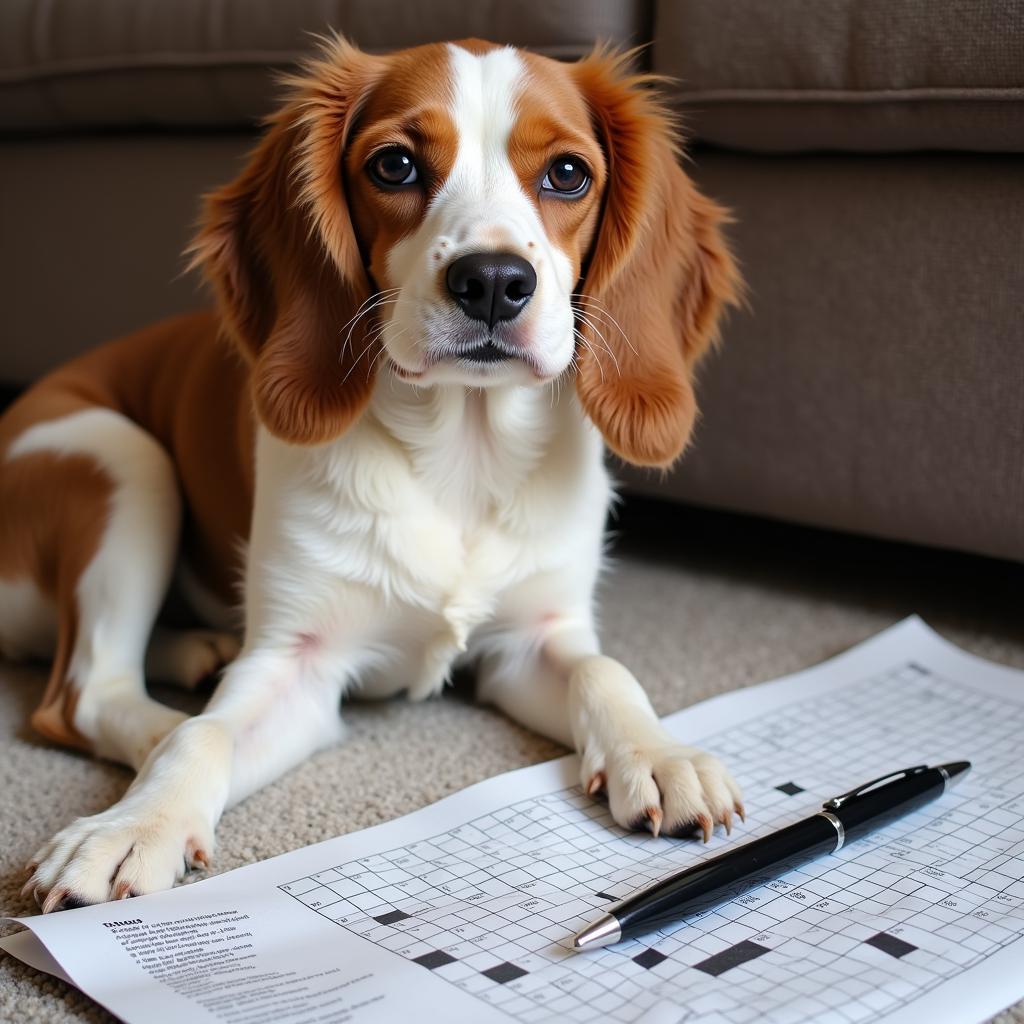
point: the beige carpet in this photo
(697, 604)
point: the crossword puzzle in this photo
(491, 906)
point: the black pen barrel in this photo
(875, 809)
(727, 876)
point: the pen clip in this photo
(841, 801)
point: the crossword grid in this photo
(491, 906)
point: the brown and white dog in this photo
(396, 455)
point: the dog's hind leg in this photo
(189, 657)
(95, 498)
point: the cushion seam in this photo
(987, 93)
(177, 61)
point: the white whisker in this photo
(357, 361)
(383, 351)
(602, 308)
(354, 322)
(369, 299)
(590, 348)
(604, 341)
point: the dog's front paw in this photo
(117, 854)
(663, 786)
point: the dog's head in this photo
(475, 215)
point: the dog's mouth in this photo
(474, 357)
(485, 356)
(486, 352)
(492, 358)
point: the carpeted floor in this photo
(696, 604)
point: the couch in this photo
(871, 152)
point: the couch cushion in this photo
(67, 64)
(875, 383)
(789, 75)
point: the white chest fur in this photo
(389, 549)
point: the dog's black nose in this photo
(491, 286)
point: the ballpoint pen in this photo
(841, 820)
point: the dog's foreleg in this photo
(271, 711)
(558, 683)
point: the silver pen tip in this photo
(955, 771)
(603, 932)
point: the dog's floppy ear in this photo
(278, 246)
(659, 267)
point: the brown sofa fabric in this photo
(93, 233)
(67, 64)
(876, 383)
(876, 75)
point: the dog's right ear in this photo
(659, 273)
(278, 247)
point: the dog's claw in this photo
(740, 811)
(596, 783)
(54, 900)
(113, 856)
(29, 886)
(654, 819)
(727, 821)
(707, 826)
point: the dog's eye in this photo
(393, 167)
(567, 176)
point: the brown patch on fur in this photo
(552, 120)
(56, 509)
(413, 112)
(660, 266)
(278, 246)
(180, 383)
(55, 716)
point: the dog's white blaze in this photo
(484, 92)
(481, 203)
(483, 184)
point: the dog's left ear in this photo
(279, 248)
(659, 266)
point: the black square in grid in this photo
(504, 973)
(391, 917)
(604, 896)
(890, 944)
(649, 958)
(919, 669)
(741, 953)
(790, 788)
(434, 959)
